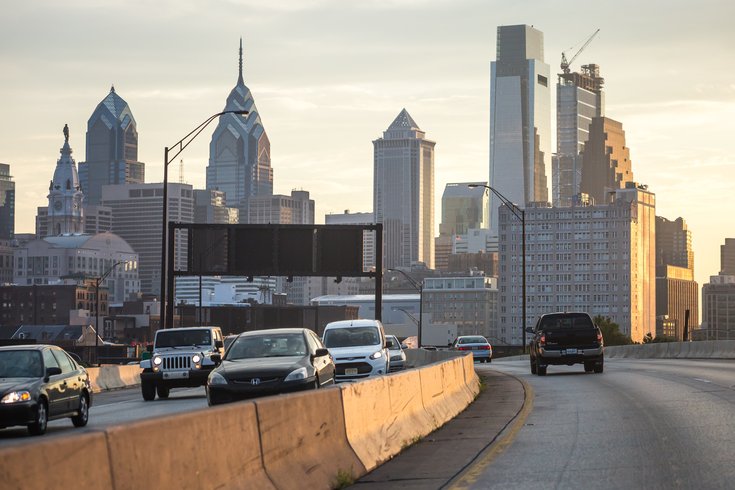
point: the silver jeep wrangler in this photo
(181, 358)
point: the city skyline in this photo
(328, 77)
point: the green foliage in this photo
(611, 332)
(343, 479)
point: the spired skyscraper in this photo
(240, 152)
(520, 119)
(403, 193)
(112, 149)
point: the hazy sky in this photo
(328, 76)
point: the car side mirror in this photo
(529, 330)
(404, 346)
(149, 348)
(52, 371)
(321, 352)
(219, 344)
(216, 358)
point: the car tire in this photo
(540, 370)
(599, 367)
(148, 390)
(82, 416)
(38, 426)
(533, 366)
(589, 367)
(163, 391)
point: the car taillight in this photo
(542, 340)
(463, 348)
(599, 338)
(485, 347)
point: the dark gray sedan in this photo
(268, 362)
(39, 383)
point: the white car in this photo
(358, 347)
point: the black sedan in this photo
(39, 383)
(268, 362)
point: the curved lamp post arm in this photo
(178, 147)
(518, 212)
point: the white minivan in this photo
(358, 347)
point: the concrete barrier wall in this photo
(705, 349)
(111, 377)
(319, 439)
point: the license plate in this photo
(569, 351)
(350, 371)
(176, 375)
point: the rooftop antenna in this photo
(181, 171)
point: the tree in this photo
(611, 331)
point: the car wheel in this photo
(38, 427)
(533, 366)
(316, 384)
(162, 391)
(540, 370)
(599, 367)
(148, 390)
(589, 367)
(81, 418)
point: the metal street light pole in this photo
(178, 147)
(520, 214)
(99, 280)
(420, 287)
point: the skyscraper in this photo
(727, 257)
(463, 209)
(112, 149)
(403, 193)
(65, 195)
(136, 217)
(7, 203)
(676, 290)
(520, 118)
(240, 152)
(579, 98)
(606, 164)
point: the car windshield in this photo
(21, 364)
(267, 345)
(567, 320)
(182, 338)
(393, 343)
(472, 340)
(351, 337)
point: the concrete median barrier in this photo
(304, 441)
(50, 463)
(211, 448)
(112, 377)
(384, 415)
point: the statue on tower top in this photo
(66, 132)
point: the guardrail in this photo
(318, 439)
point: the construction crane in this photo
(565, 64)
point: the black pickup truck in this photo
(566, 338)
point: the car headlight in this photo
(157, 360)
(300, 373)
(196, 358)
(377, 355)
(216, 379)
(16, 397)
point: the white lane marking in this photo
(702, 380)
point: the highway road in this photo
(114, 408)
(640, 424)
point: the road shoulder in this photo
(448, 454)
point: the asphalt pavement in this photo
(444, 455)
